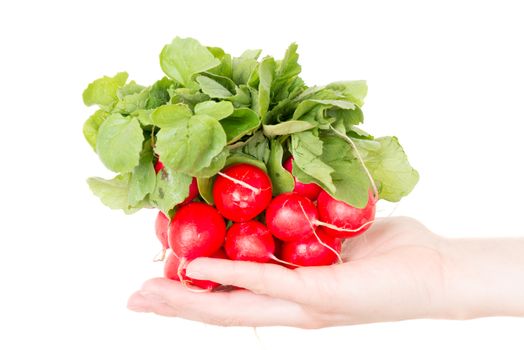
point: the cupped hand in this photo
(394, 271)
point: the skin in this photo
(397, 270)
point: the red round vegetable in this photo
(161, 228)
(241, 192)
(344, 216)
(197, 229)
(309, 190)
(291, 216)
(158, 166)
(249, 241)
(171, 271)
(310, 252)
(193, 192)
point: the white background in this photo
(446, 77)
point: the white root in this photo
(359, 157)
(181, 266)
(160, 256)
(336, 228)
(273, 257)
(240, 182)
(339, 258)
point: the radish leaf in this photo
(281, 179)
(171, 189)
(143, 178)
(217, 110)
(103, 91)
(190, 144)
(243, 121)
(170, 115)
(184, 58)
(119, 142)
(212, 88)
(389, 166)
(307, 149)
(92, 125)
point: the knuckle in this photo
(254, 278)
(262, 280)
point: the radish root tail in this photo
(181, 266)
(240, 182)
(273, 257)
(339, 258)
(160, 256)
(336, 228)
(359, 157)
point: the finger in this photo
(237, 308)
(147, 302)
(269, 279)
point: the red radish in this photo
(349, 220)
(161, 228)
(171, 271)
(193, 188)
(278, 248)
(241, 192)
(291, 216)
(193, 192)
(249, 241)
(309, 190)
(158, 166)
(310, 252)
(197, 229)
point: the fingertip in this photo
(138, 302)
(198, 268)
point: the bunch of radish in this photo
(242, 159)
(295, 229)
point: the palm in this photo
(394, 268)
(396, 259)
(388, 235)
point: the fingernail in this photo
(193, 272)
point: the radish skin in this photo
(289, 217)
(173, 271)
(343, 220)
(249, 241)
(196, 230)
(241, 192)
(310, 252)
(161, 228)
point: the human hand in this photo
(394, 271)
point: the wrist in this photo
(483, 277)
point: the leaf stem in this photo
(359, 157)
(153, 137)
(339, 258)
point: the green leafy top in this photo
(212, 110)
